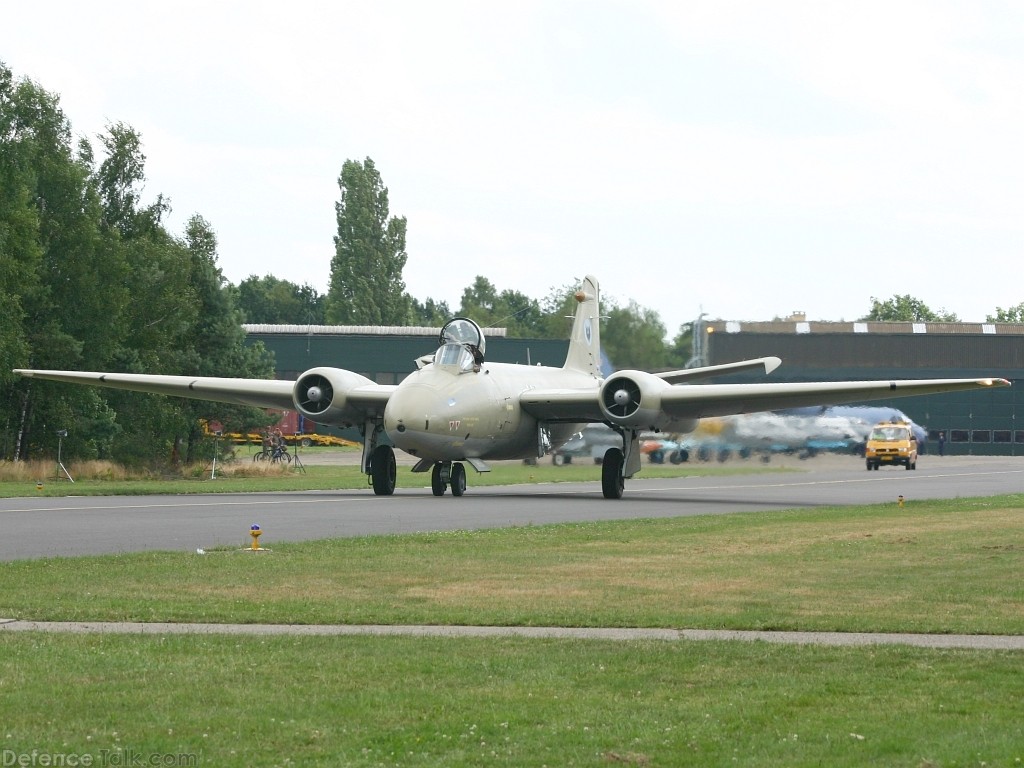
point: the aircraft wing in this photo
(699, 401)
(572, 406)
(258, 392)
(635, 399)
(362, 397)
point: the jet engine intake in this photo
(633, 400)
(319, 395)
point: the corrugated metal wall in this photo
(874, 350)
(389, 359)
(981, 422)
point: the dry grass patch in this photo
(37, 470)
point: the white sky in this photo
(747, 159)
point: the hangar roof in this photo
(804, 326)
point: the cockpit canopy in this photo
(462, 330)
(462, 344)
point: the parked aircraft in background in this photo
(804, 432)
(457, 407)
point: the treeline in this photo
(91, 279)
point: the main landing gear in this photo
(612, 480)
(620, 463)
(447, 473)
(383, 470)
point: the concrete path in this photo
(972, 642)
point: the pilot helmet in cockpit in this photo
(463, 331)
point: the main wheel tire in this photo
(383, 470)
(458, 479)
(612, 482)
(437, 483)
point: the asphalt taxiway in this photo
(68, 526)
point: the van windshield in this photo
(890, 434)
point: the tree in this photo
(218, 347)
(269, 300)
(65, 301)
(20, 250)
(906, 309)
(681, 350)
(557, 310)
(520, 315)
(366, 286)
(634, 337)
(1010, 315)
(430, 313)
(479, 301)
(119, 177)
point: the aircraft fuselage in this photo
(449, 414)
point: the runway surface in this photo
(43, 527)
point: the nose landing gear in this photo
(447, 473)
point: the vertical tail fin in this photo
(585, 339)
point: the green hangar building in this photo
(385, 354)
(979, 422)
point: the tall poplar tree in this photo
(366, 285)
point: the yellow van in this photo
(891, 442)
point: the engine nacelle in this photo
(319, 395)
(632, 399)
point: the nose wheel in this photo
(447, 473)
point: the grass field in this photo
(360, 701)
(950, 566)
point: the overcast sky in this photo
(744, 159)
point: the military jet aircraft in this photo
(458, 407)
